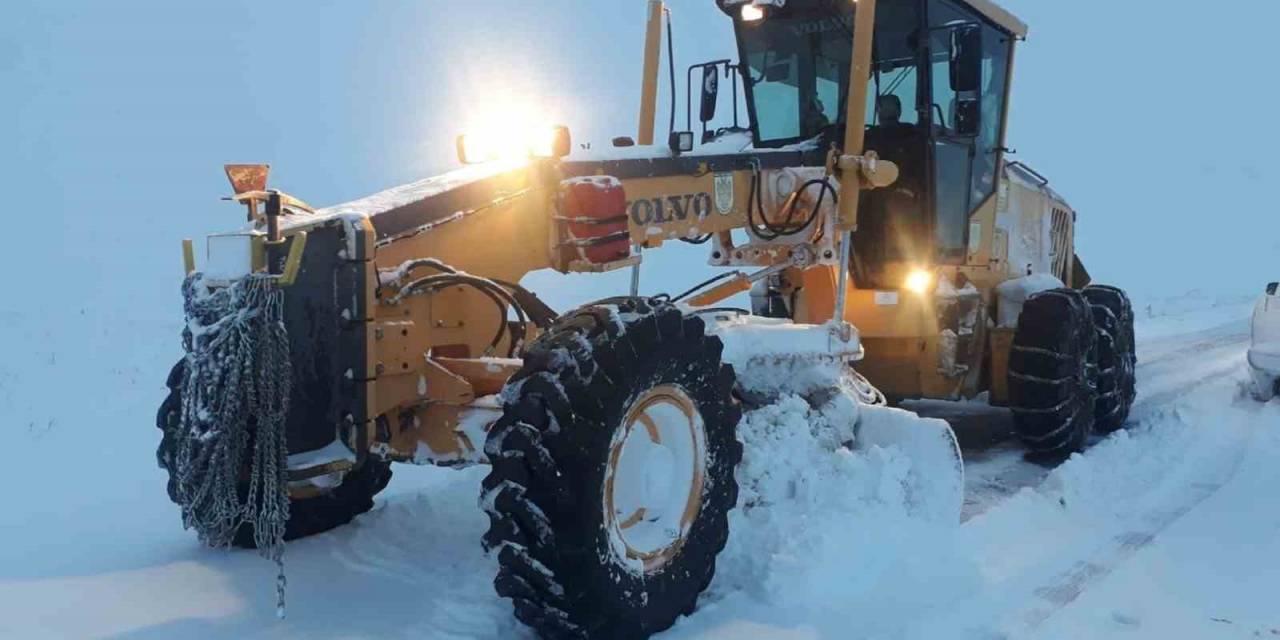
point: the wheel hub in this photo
(654, 481)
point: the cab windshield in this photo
(797, 70)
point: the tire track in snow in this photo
(1156, 350)
(1167, 371)
(1067, 586)
(994, 475)
(1174, 371)
(1177, 375)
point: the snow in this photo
(91, 547)
(1157, 532)
(333, 452)
(781, 356)
(728, 144)
(1014, 293)
(815, 517)
(1055, 556)
(412, 192)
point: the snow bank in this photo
(820, 525)
(837, 499)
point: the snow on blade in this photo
(836, 501)
(837, 496)
(773, 356)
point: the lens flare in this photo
(918, 281)
(511, 132)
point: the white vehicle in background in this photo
(1264, 354)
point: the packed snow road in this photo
(1165, 530)
(1172, 362)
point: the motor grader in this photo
(866, 207)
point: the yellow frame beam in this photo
(649, 79)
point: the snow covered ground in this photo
(1166, 530)
(119, 113)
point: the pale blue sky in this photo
(1157, 122)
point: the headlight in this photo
(918, 281)
(229, 256)
(751, 13)
(542, 142)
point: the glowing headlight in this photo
(551, 142)
(542, 142)
(751, 13)
(918, 281)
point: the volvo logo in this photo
(669, 208)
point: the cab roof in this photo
(989, 9)
(1000, 16)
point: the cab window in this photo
(797, 70)
(995, 77)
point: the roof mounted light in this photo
(514, 143)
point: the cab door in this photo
(968, 74)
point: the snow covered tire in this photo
(550, 495)
(1117, 360)
(307, 516)
(1052, 373)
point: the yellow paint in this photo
(649, 79)
(188, 256)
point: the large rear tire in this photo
(1117, 359)
(1052, 372)
(613, 472)
(307, 516)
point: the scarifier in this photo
(866, 205)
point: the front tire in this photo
(1052, 373)
(613, 472)
(307, 516)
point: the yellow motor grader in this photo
(866, 206)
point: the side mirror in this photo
(710, 93)
(966, 78)
(966, 58)
(1272, 288)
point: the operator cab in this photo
(935, 106)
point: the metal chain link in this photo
(231, 457)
